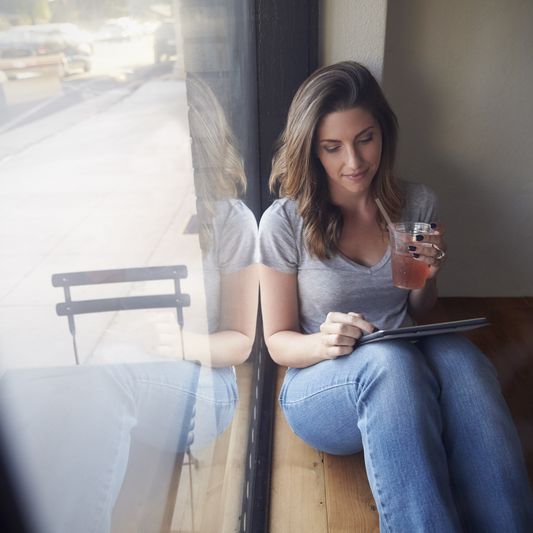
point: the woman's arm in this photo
(286, 344)
(239, 295)
(422, 300)
(232, 343)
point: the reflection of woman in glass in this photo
(441, 451)
(84, 435)
(227, 231)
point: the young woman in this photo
(441, 451)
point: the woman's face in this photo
(348, 144)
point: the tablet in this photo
(415, 332)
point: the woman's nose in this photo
(353, 158)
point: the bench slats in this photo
(298, 499)
(124, 303)
(119, 275)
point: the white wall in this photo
(353, 29)
(460, 77)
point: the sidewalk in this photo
(13, 141)
(106, 184)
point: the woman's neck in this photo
(355, 207)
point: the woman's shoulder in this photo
(283, 206)
(281, 211)
(420, 201)
(234, 210)
(280, 236)
(415, 191)
(235, 235)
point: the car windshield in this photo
(41, 41)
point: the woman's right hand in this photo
(340, 332)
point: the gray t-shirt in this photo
(233, 248)
(338, 284)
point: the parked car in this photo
(25, 54)
(165, 41)
(75, 44)
(112, 31)
(121, 29)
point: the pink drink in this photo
(407, 272)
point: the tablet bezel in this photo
(416, 332)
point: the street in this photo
(115, 64)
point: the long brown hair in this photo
(296, 168)
(218, 165)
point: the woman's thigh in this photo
(80, 422)
(324, 403)
(173, 400)
(464, 373)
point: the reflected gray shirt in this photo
(234, 247)
(339, 284)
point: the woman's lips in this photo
(356, 175)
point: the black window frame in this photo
(286, 39)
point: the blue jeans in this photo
(86, 437)
(441, 451)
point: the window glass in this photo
(128, 286)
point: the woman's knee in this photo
(327, 420)
(393, 363)
(454, 357)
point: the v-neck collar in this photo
(374, 268)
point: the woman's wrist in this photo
(295, 349)
(422, 300)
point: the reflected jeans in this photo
(441, 451)
(82, 435)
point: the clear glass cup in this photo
(407, 272)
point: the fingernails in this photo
(419, 237)
(433, 225)
(412, 248)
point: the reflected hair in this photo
(218, 166)
(296, 169)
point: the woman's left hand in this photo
(431, 249)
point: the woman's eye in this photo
(367, 139)
(331, 149)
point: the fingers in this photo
(429, 248)
(332, 352)
(346, 322)
(429, 238)
(331, 330)
(337, 339)
(340, 332)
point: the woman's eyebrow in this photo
(362, 132)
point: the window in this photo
(125, 131)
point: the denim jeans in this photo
(441, 450)
(86, 437)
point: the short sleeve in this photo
(277, 239)
(421, 203)
(237, 240)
